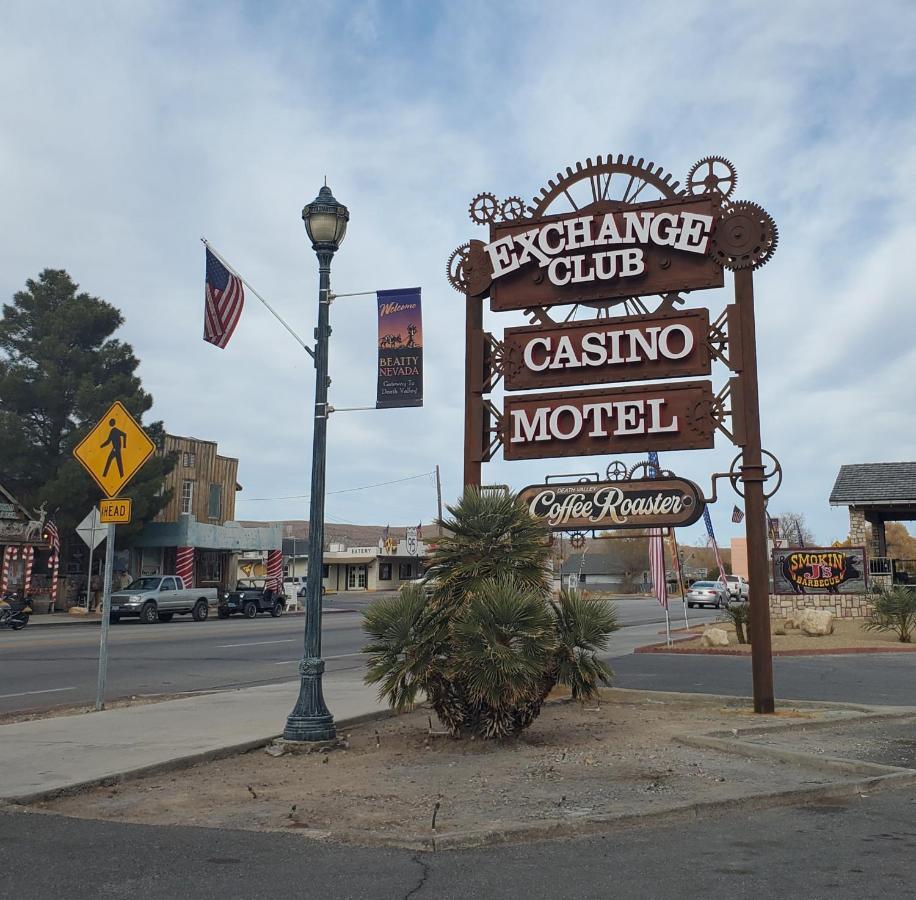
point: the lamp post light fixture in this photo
(326, 224)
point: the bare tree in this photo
(794, 528)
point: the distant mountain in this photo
(350, 535)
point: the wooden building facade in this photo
(203, 483)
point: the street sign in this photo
(91, 529)
(116, 511)
(114, 450)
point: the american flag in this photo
(715, 546)
(225, 298)
(657, 565)
(737, 515)
(52, 536)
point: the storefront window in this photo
(214, 506)
(405, 571)
(384, 571)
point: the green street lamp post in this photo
(326, 224)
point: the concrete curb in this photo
(829, 651)
(179, 762)
(519, 832)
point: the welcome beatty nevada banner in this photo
(400, 349)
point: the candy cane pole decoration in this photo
(28, 555)
(9, 554)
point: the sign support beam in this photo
(752, 475)
(473, 391)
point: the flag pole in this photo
(276, 315)
(680, 576)
(665, 588)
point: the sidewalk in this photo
(68, 751)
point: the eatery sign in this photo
(645, 503)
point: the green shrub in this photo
(487, 643)
(895, 610)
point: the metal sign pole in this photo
(89, 573)
(752, 476)
(106, 620)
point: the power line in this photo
(363, 487)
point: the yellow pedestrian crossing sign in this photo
(114, 450)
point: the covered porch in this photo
(875, 494)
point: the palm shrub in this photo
(737, 614)
(485, 643)
(894, 610)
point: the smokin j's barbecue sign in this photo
(647, 503)
(820, 570)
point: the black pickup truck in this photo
(251, 597)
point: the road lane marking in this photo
(253, 643)
(29, 693)
(289, 662)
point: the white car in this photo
(738, 587)
(707, 593)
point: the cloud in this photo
(133, 129)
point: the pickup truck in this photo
(737, 587)
(156, 598)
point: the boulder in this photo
(715, 637)
(815, 622)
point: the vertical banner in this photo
(400, 349)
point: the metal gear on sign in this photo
(616, 471)
(599, 174)
(712, 175)
(512, 208)
(577, 540)
(483, 208)
(745, 236)
(454, 268)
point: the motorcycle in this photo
(14, 612)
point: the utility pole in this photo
(439, 498)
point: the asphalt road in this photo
(861, 847)
(43, 667)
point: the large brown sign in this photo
(603, 253)
(648, 503)
(639, 419)
(633, 348)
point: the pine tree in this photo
(60, 370)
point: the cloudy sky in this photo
(130, 130)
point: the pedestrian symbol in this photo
(114, 450)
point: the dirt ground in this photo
(847, 633)
(573, 764)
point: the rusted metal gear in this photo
(454, 268)
(468, 269)
(599, 174)
(577, 540)
(512, 208)
(616, 471)
(712, 175)
(745, 236)
(648, 471)
(484, 208)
